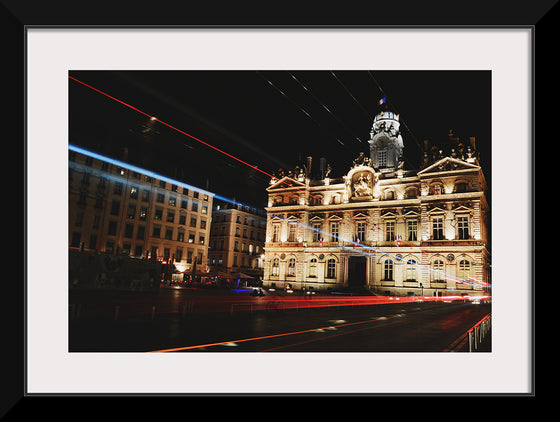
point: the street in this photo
(191, 320)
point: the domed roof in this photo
(386, 115)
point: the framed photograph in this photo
(65, 65)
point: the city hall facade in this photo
(380, 227)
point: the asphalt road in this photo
(181, 321)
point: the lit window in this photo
(438, 270)
(437, 228)
(388, 270)
(292, 267)
(313, 267)
(331, 268)
(275, 266)
(463, 227)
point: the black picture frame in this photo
(17, 16)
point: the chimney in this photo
(472, 142)
(322, 167)
(309, 159)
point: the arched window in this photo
(275, 266)
(438, 270)
(388, 269)
(411, 270)
(313, 267)
(411, 193)
(331, 268)
(292, 267)
(464, 270)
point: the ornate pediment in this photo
(411, 212)
(284, 182)
(335, 217)
(448, 164)
(316, 219)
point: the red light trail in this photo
(169, 126)
(480, 282)
(176, 129)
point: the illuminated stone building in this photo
(118, 209)
(381, 227)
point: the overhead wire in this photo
(351, 95)
(72, 147)
(325, 107)
(325, 131)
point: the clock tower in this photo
(385, 143)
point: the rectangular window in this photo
(317, 236)
(156, 231)
(79, 219)
(275, 233)
(160, 198)
(145, 195)
(182, 219)
(463, 227)
(361, 231)
(134, 192)
(291, 232)
(412, 230)
(115, 207)
(112, 228)
(389, 231)
(158, 215)
(131, 212)
(334, 232)
(93, 241)
(128, 230)
(140, 232)
(117, 188)
(143, 214)
(382, 159)
(76, 237)
(170, 216)
(172, 201)
(168, 233)
(437, 228)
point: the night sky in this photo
(270, 119)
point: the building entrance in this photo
(356, 271)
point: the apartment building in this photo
(120, 209)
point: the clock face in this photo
(382, 141)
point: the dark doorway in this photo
(356, 271)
